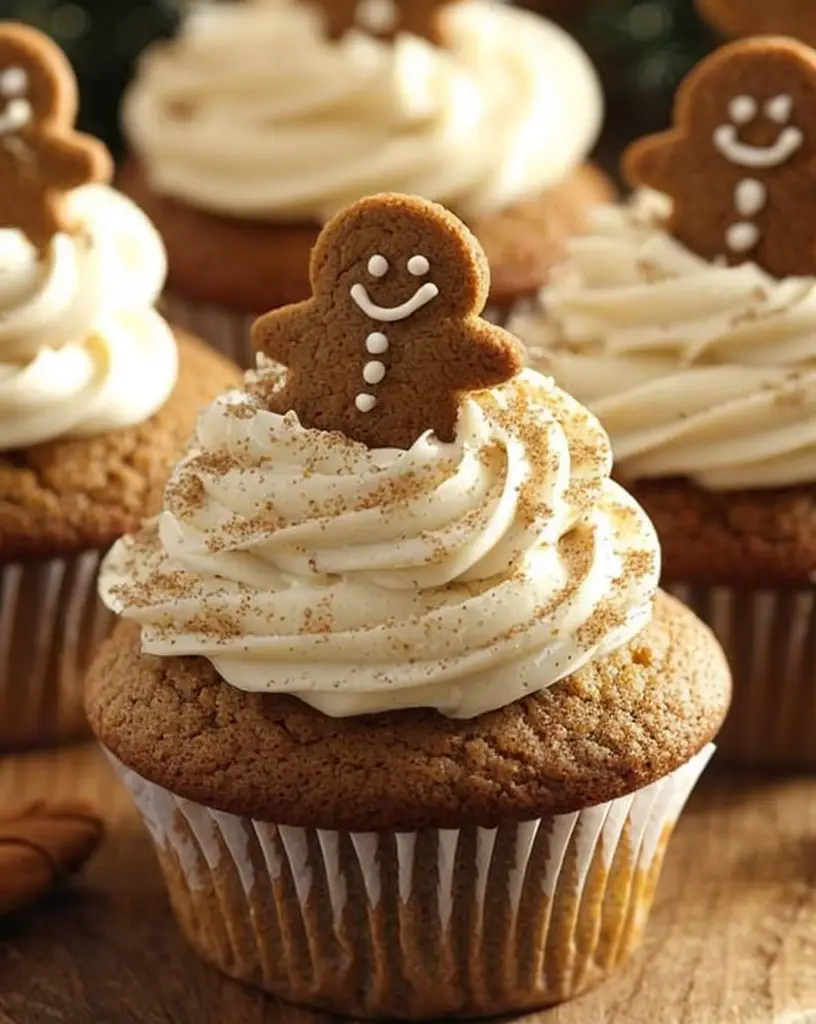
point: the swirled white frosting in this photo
(254, 112)
(81, 348)
(694, 369)
(457, 576)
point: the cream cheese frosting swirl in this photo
(695, 369)
(253, 112)
(455, 576)
(81, 348)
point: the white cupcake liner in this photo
(51, 624)
(769, 637)
(226, 331)
(471, 921)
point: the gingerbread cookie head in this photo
(739, 162)
(384, 19)
(738, 18)
(41, 156)
(392, 339)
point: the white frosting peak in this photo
(695, 369)
(82, 350)
(458, 576)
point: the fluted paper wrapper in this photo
(230, 333)
(465, 922)
(51, 625)
(769, 637)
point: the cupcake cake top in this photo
(455, 543)
(289, 110)
(81, 348)
(687, 319)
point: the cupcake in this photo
(97, 395)
(687, 322)
(393, 691)
(265, 118)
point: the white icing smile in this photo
(742, 110)
(392, 314)
(740, 153)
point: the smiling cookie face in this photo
(392, 338)
(391, 264)
(738, 163)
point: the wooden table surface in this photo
(732, 939)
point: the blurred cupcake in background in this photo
(263, 118)
(686, 320)
(96, 392)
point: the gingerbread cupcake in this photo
(239, 158)
(687, 322)
(393, 693)
(97, 396)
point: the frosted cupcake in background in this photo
(395, 692)
(96, 393)
(687, 322)
(266, 117)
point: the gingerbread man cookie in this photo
(392, 339)
(739, 161)
(385, 19)
(41, 156)
(796, 18)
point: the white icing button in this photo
(365, 403)
(378, 266)
(750, 197)
(377, 16)
(13, 82)
(419, 266)
(742, 236)
(742, 109)
(376, 343)
(374, 372)
(779, 108)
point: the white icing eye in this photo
(378, 266)
(742, 109)
(13, 82)
(779, 108)
(418, 266)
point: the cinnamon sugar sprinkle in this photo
(524, 419)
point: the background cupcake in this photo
(444, 640)
(239, 158)
(686, 322)
(96, 393)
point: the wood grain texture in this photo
(732, 939)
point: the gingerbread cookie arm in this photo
(278, 333)
(480, 355)
(73, 161)
(653, 161)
